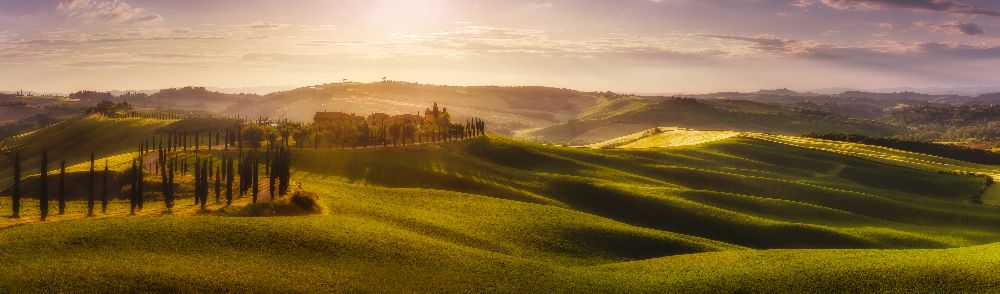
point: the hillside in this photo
(629, 115)
(73, 140)
(980, 122)
(507, 108)
(525, 217)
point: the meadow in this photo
(751, 212)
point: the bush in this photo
(300, 203)
(307, 201)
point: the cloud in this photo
(263, 26)
(878, 54)
(106, 11)
(765, 43)
(954, 28)
(944, 6)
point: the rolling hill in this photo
(73, 140)
(515, 216)
(507, 108)
(629, 115)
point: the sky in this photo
(637, 46)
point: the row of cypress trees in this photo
(43, 191)
(248, 168)
(277, 169)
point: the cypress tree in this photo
(254, 176)
(241, 168)
(229, 181)
(218, 183)
(206, 172)
(197, 181)
(43, 192)
(62, 187)
(284, 173)
(169, 199)
(104, 190)
(90, 187)
(16, 197)
(140, 194)
(201, 189)
(164, 182)
(273, 175)
(132, 193)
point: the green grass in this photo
(499, 215)
(625, 116)
(665, 137)
(74, 140)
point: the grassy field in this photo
(74, 140)
(621, 117)
(665, 137)
(741, 213)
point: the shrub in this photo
(300, 203)
(307, 201)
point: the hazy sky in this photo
(621, 45)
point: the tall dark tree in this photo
(43, 191)
(241, 168)
(90, 187)
(254, 176)
(271, 179)
(16, 190)
(218, 183)
(164, 180)
(229, 181)
(140, 182)
(197, 181)
(135, 187)
(169, 198)
(62, 187)
(104, 189)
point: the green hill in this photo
(514, 217)
(629, 115)
(73, 140)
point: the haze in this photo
(628, 45)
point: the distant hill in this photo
(510, 108)
(629, 115)
(981, 122)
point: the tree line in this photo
(276, 161)
(260, 144)
(944, 150)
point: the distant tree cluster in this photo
(110, 109)
(348, 130)
(943, 150)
